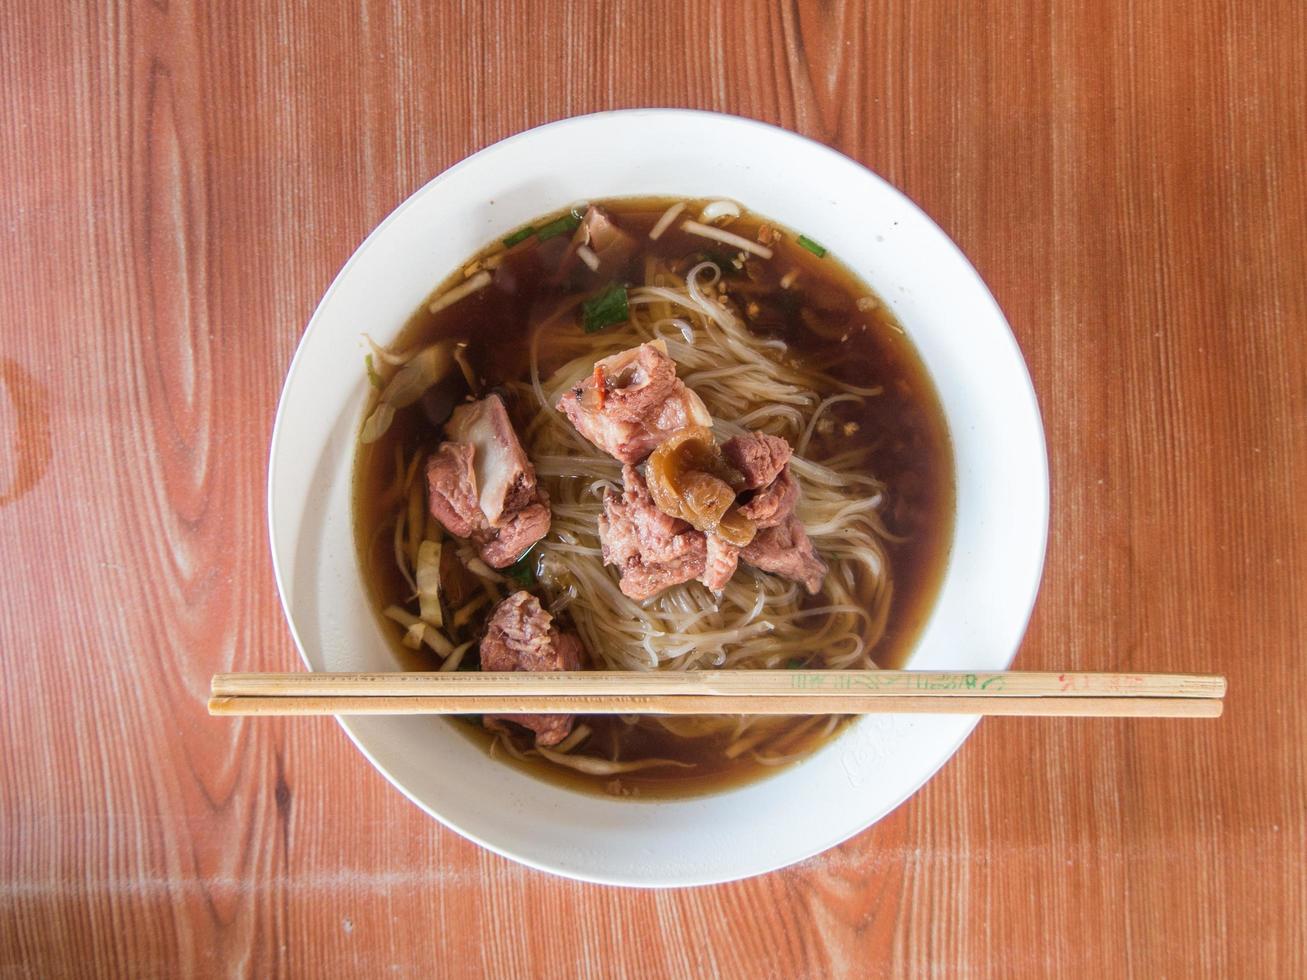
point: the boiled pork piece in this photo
(770, 490)
(482, 487)
(758, 456)
(721, 560)
(520, 635)
(786, 550)
(781, 546)
(632, 402)
(652, 551)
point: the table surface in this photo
(178, 186)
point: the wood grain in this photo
(178, 185)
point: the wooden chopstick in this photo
(919, 683)
(692, 704)
(783, 692)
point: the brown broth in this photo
(820, 319)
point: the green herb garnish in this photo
(605, 309)
(372, 373)
(794, 663)
(559, 226)
(811, 246)
(521, 235)
(523, 571)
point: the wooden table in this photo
(178, 186)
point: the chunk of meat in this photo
(635, 382)
(632, 402)
(774, 503)
(758, 456)
(505, 544)
(481, 486)
(520, 635)
(770, 488)
(451, 489)
(505, 478)
(610, 244)
(651, 550)
(721, 560)
(785, 549)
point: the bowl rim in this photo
(295, 367)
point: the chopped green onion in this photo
(372, 373)
(811, 246)
(521, 235)
(523, 571)
(559, 226)
(605, 309)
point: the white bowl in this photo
(1002, 488)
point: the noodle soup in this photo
(774, 336)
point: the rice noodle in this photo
(603, 767)
(587, 255)
(727, 238)
(424, 631)
(466, 288)
(666, 220)
(464, 615)
(401, 556)
(417, 508)
(456, 657)
(802, 447)
(464, 365)
(579, 734)
(687, 331)
(744, 743)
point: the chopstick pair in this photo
(723, 692)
